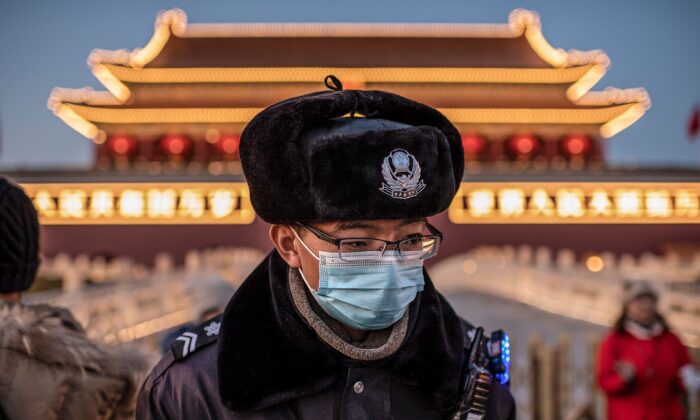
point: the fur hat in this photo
(305, 159)
(19, 239)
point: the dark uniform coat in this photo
(261, 360)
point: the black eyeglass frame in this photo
(434, 233)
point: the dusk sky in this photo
(44, 44)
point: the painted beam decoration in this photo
(576, 202)
(142, 203)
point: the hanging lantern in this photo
(576, 145)
(523, 144)
(228, 144)
(176, 145)
(473, 144)
(122, 145)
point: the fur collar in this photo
(51, 335)
(267, 354)
(642, 332)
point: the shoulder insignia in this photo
(196, 338)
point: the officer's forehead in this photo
(343, 225)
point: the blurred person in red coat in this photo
(643, 367)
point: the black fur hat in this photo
(306, 160)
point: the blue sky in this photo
(43, 44)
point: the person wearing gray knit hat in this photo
(19, 241)
(50, 369)
(638, 289)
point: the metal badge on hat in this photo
(401, 173)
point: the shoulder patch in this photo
(196, 338)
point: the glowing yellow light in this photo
(541, 203)
(243, 115)
(142, 203)
(100, 137)
(584, 84)
(162, 115)
(222, 202)
(581, 202)
(102, 203)
(511, 202)
(600, 204)
(76, 122)
(658, 203)
(534, 115)
(191, 203)
(533, 33)
(212, 135)
(131, 203)
(594, 263)
(687, 204)
(481, 202)
(113, 84)
(246, 208)
(469, 266)
(570, 203)
(161, 203)
(146, 54)
(628, 202)
(71, 203)
(623, 120)
(44, 203)
(358, 75)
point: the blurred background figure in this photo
(50, 370)
(643, 367)
(208, 294)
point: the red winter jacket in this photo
(656, 391)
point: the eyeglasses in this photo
(415, 247)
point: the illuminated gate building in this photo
(166, 129)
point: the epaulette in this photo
(196, 338)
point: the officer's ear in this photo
(284, 240)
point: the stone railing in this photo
(589, 289)
(125, 301)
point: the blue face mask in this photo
(366, 294)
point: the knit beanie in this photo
(638, 289)
(19, 239)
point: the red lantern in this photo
(176, 144)
(473, 144)
(122, 145)
(524, 144)
(228, 144)
(576, 145)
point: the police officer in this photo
(340, 321)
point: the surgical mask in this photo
(367, 291)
